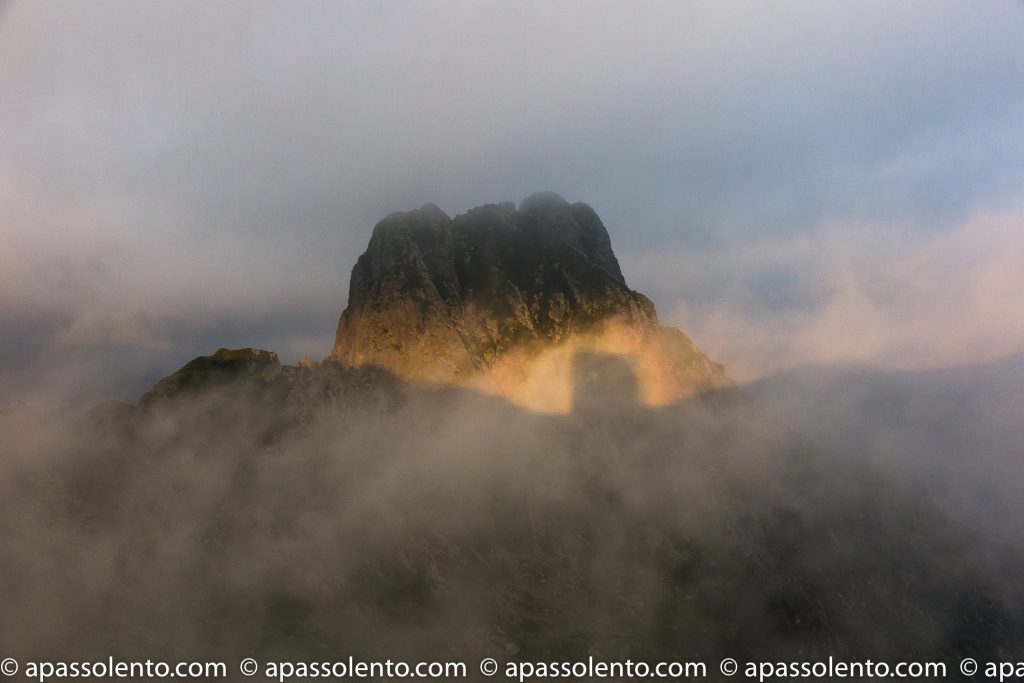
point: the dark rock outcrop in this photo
(225, 366)
(446, 299)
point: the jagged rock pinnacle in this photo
(445, 299)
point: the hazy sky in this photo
(791, 182)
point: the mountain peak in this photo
(540, 201)
(434, 212)
(222, 367)
(488, 292)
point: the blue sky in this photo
(792, 183)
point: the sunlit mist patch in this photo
(665, 367)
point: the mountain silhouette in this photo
(481, 296)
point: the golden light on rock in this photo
(666, 368)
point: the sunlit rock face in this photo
(501, 298)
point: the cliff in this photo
(488, 296)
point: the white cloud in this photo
(896, 299)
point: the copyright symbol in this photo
(489, 666)
(968, 667)
(9, 667)
(249, 667)
(729, 666)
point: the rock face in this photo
(487, 293)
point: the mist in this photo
(313, 512)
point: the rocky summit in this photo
(489, 294)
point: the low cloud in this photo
(879, 295)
